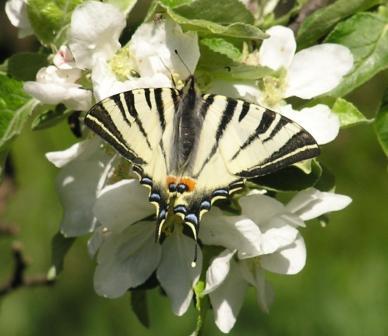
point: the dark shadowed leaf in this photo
(323, 20)
(381, 125)
(290, 178)
(59, 248)
(140, 306)
(24, 66)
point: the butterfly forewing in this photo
(138, 124)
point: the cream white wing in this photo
(138, 124)
(238, 140)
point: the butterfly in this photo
(191, 149)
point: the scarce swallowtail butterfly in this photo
(191, 149)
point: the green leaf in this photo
(327, 180)
(15, 108)
(290, 178)
(222, 12)
(50, 116)
(59, 248)
(124, 5)
(206, 28)
(348, 114)
(175, 3)
(220, 45)
(213, 65)
(381, 125)
(140, 306)
(323, 20)
(24, 66)
(49, 17)
(366, 35)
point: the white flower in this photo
(84, 168)
(318, 120)
(264, 237)
(128, 254)
(152, 57)
(306, 74)
(153, 46)
(106, 84)
(54, 86)
(16, 11)
(64, 59)
(259, 10)
(310, 72)
(94, 32)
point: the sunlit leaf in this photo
(366, 35)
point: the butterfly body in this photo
(191, 149)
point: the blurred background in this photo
(343, 289)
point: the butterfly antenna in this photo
(169, 70)
(194, 262)
(181, 59)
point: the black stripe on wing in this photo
(130, 101)
(226, 117)
(301, 146)
(157, 196)
(265, 123)
(99, 120)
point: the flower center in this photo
(273, 88)
(123, 65)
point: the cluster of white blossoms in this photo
(264, 237)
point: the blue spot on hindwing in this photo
(192, 218)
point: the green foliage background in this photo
(342, 290)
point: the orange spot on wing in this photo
(171, 180)
(189, 182)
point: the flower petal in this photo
(260, 208)
(227, 300)
(279, 232)
(218, 270)
(54, 86)
(61, 158)
(176, 274)
(289, 260)
(64, 59)
(94, 32)
(278, 50)
(317, 70)
(122, 204)
(233, 232)
(16, 11)
(318, 120)
(126, 260)
(78, 191)
(96, 240)
(246, 90)
(105, 83)
(254, 275)
(153, 46)
(312, 203)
